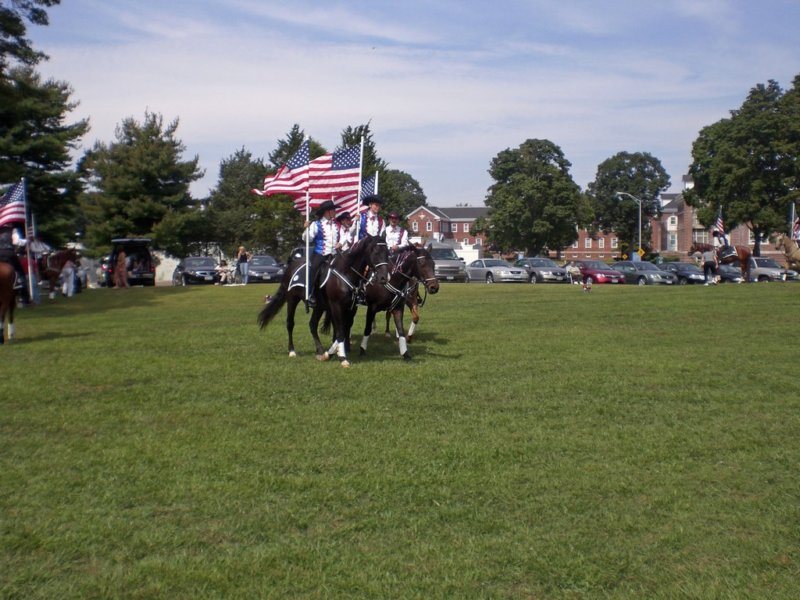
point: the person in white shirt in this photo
(371, 222)
(323, 237)
(347, 231)
(396, 235)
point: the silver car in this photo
(543, 270)
(495, 269)
(768, 269)
(642, 272)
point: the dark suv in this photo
(141, 266)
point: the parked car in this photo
(263, 267)
(729, 274)
(446, 263)
(642, 272)
(543, 270)
(196, 270)
(596, 271)
(493, 270)
(685, 272)
(768, 269)
(141, 266)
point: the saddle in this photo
(727, 252)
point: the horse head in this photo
(780, 242)
(426, 270)
(378, 257)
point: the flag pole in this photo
(308, 256)
(376, 181)
(27, 241)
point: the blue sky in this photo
(446, 85)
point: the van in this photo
(141, 266)
(447, 265)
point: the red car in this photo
(596, 271)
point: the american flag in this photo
(796, 229)
(333, 177)
(12, 205)
(720, 224)
(291, 178)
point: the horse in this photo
(335, 294)
(789, 247)
(742, 255)
(414, 302)
(8, 300)
(411, 266)
(51, 265)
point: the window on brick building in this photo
(428, 226)
(614, 243)
(454, 227)
(415, 226)
(466, 228)
(587, 243)
(601, 243)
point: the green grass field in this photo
(544, 443)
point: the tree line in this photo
(139, 183)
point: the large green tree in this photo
(402, 192)
(626, 174)
(534, 203)
(136, 181)
(746, 165)
(35, 138)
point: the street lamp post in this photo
(639, 202)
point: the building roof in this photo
(454, 213)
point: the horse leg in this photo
(291, 308)
(340, 331)
(313, 326)
(401, 334)
(414, 318)
(367, 330)
(386, 333)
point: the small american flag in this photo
(12, 205)
(796, 229)
(720, 224)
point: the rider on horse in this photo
(323, 235)
(724, 250)
(10, 241)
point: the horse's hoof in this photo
(345, 364)
(387, 335)
(407, 357)
(361, 351)
(409, 338)
(292, 354)
(323, 357)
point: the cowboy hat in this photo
(324, 207)
(367, 200)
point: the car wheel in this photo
(762, 278)
(489, 278)
(683, 281)
(641, 281)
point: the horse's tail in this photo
(326, 323)
(272, 307)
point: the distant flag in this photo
(291, 178)
(12, 205)
(720, 224)
(796, 228)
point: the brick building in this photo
(449, 224)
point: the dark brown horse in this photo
(335, 295)
(51, 265)
(8, 300)
(742, 256)
(409, 267)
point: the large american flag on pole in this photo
(334, 177)
(12, 205)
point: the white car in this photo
(493, 270)
(768, 269)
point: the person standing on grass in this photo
(710, 266)
(242, 260)
(121, 270)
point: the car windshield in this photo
(542, 262)
(443, 254)
(200, 262)
(262, 261)
(496, 262)
(767, 263)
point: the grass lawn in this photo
(544, 443)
